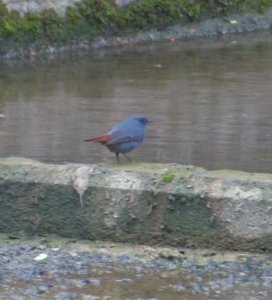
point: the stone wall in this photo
(36, 6)
(140, 203)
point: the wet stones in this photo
(84, 270)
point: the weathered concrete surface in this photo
(36, 6)
(142, 203)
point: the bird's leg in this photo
(127, 157)
(117, 157)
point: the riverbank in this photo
(47, 33)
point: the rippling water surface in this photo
(210, 102)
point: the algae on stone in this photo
(88, 19)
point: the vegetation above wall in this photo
(91, 18)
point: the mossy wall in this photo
(91, 18)
(140, 203)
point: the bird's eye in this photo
(143, 120)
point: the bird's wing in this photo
(118, 137)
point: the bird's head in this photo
(141, 119)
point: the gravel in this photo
(73, 269)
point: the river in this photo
(209, 100)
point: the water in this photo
(210, 102)
(83, 270)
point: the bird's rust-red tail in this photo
(103, 139)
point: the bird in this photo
(124, 136)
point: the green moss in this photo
(167, 177)
(91, 18)
(189, 217)
(234, 6)
(154, 13)
(30, 27)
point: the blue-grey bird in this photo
(123, 137)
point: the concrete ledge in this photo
(141, 203)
